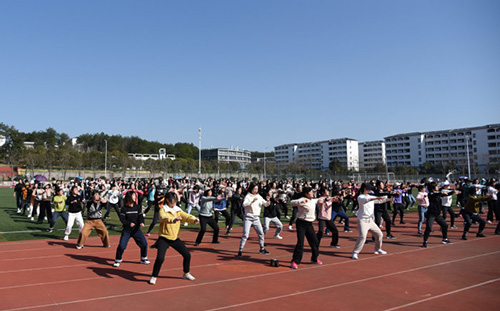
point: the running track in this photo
(54, 275)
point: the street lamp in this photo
(265, 162)
(468, 159)
(106, 160)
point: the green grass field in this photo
(14, 227)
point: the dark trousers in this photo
(24, 205)
(398, 208)
(35, 205)
(139, 239)
(284, 208)
(226, 216)
(234, 213)
(381, 213)
(294, 215)
(449, 210)
(204, 220)
(45, 210)
(18, 201)
(163, 244)
(331, 226)
(62, 214)
(428, 225)
(156, 217)
(305, 228)
(150, 204)
(468, 217)
(110, 206)
(493, 209)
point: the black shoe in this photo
(480, 235)
(390, 236)
(419, 231)
(424, 245)
(464, 237)
(497, 233)
(263, 251)
(402, 222)
(216, 242)
(196, 244)
(394, 224)
(240, 254)
(446, 241)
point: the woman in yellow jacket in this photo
(171, 217)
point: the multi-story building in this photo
(371, 154)
(227, 155)
(318, 155)
(476, 145)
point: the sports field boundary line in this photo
(443, 295)
(258, 276)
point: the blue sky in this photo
(252, 74)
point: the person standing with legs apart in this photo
(325, 217)
(171, 217)
(132, 220)
(206, 217)
(381, 209)
(366, 220)
(446, 202)
(75, 203)
(471, 212)
(434, 213)
(252, 205)
(306, 208)
(94, 221)
(271, 213)
(59, 209)
(236, 207)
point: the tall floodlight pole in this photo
(199, 150)
(106, 160)
(265, 162)
(468, 159)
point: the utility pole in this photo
(106, 160)
(199, 150)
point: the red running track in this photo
(54, 275)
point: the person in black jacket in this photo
(271, 213)
(94, 221)
(132, 220)
(434, 213)
(236, 201)
(381, 210)
(74, 202)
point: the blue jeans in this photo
(421, 216)
(411, 200)
(56, 215)
(139, 239)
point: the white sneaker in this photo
(79, 247)
(188, 276)
(185, 224)
(145, 262)
(19, 212)
(116, 264)
(354, 256)
(380, 252)
(290, 228)
(152, 281)
(32, 218)
(278, 237)
(66, 238)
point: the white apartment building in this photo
(371, 153)
(318, 155)
(446, 146)
(227, 155)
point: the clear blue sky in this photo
(253, 74)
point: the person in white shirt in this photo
(493, 203)
(306, 208)
(366, 220)
(252, 205)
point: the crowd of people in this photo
(302, 203)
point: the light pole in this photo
(106, 160)
(265, 163)
(199, 150)
(468, 159)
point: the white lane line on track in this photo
(443, 295)
(259, 276)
